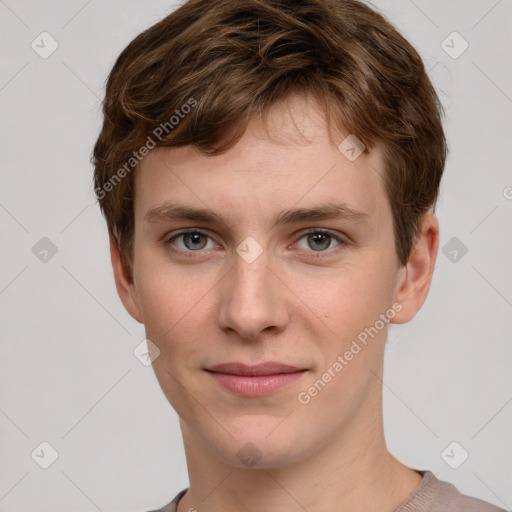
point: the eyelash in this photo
(315, 254)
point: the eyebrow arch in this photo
(330, 211)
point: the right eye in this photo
(193, 240)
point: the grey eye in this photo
(318, 241)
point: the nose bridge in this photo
(252, 299)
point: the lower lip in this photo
(260, 385)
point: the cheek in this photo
(165, 293)
(356, 297)
(163, 304)
(353, 309)
(173, 303)
(170, 305)
(158, 303)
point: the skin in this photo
(287, 306)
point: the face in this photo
(292, 260)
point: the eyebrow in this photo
(329, 211)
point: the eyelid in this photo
(342, 242)
(327, 231)
(170, 238)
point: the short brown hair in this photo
(231, 60)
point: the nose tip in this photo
(252, 301)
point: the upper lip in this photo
(269, 368)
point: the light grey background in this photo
(68, 375)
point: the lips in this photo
(255, 380)
(269, 368)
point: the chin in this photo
(261, 448)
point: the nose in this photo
(253, 299)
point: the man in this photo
(268, 172)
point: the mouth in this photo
(255, 380)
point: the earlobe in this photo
(124, 283)
(415, 278)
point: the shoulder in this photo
(450, 498)
(173, 505)
(434, 495)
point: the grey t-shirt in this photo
(432, 495)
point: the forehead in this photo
(288, 161)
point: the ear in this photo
(124, 283)
(415, 277)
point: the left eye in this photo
(317, 240)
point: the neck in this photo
(352, 471)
